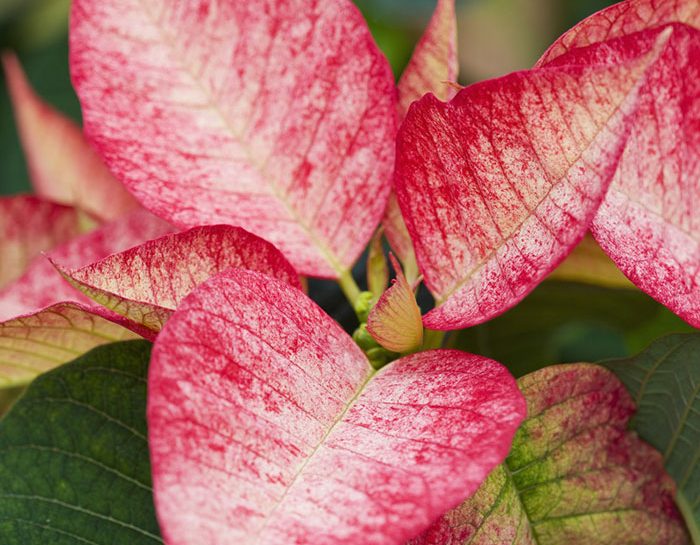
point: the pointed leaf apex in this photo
(395, 322)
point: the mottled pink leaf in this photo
(648, 223)
(146, 283)
(576, 474)
(395, 322)
(432, 67)
(33, 344)
(29, 226)
(275, 116)
(268, 425)
(63, 166)
(498, 185)
(42, 286)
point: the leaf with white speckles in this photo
(63, 166)
(29, 226)
(146, 283)
(275, 116)
(433, 65)
(268, 425)
(500, 184)
(575, 474)
(648, 223)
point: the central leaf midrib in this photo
(372, 373)
(326, 252)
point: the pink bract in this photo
(648, 223)
(498, 185)
(209, 116)
(268, 425)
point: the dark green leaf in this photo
(664, 381)
(74, 465)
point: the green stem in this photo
(689, 517)
(432, 339)
(349, 286)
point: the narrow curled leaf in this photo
(648, 223)
(29, 226)
(63, 166)
(74, 467)
(377, 267)
(499, 185)
(575, 474)
(146, 283)
(268, 425)
(395, 322)
(664, 381)
(432, 67)
(275, 116)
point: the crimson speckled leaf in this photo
(74, 468)
(664, 381)
(278, 117)
(268, 425)
(575, 474)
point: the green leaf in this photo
(664, 381)
(575, 474)
(74, 464)
(563, 322)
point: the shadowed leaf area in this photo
(74, 468)
(664, 381)
(569, 322)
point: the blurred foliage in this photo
(562, 322)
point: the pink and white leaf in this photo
(62, 165)
(648, 223)
(395, 322)
(278, 117)
(433, 66)
(499, 185)
(42, 286)
(268, 424)
(29, 226)
(146, 283)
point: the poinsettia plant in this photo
(232, 149)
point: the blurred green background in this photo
(560, 321)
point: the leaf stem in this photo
(687, 512)
(433, 339)
(349, 286)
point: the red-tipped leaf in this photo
(29, 226)
(275, 116)
(268, 425)
(146, 283)
(63, 166)
(498, 185)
